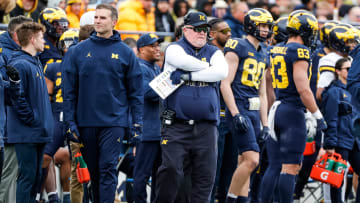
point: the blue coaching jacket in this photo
(29, 119)
(337, 109)
(102, 79)
(191, 102)
(152, 124)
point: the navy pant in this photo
(196, 143)
(226, 163)
(101, 152)
(29, 158)
(147, 161)
(353, 156)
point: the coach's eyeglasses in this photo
(199, 29)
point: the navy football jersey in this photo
(250, 71)
(52, 72)
(282, 59)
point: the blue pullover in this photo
(102, 79)
(30, 117)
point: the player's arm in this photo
(270, 93)
(233, 60)
(263, 101)
(50, 87)
(324, 80)
(302, 85)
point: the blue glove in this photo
(73, 132)
(265, 134)
(321, 124)
(240, 123)
(177, 75)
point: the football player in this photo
(309, 160)
(56, 23)
(244, 92)
(342, 39)
(290, 63)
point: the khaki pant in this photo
(76, 188)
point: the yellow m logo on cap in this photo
(202, 17)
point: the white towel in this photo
(271, 119)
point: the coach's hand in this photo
(240, 123)
(73, 132)
(178, 75)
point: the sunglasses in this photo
(199, 29)
(225, 31)
(347, 68)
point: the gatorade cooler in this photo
(82, 171)
(309, 147)
(322, 170)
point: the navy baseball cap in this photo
(147, 39)
(196, 19)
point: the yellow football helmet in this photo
(55, 21)
(254, 18)
(68, 38)
(304, 24)
(341, 35)
(279, 29)
(325, 31)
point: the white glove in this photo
(311, 124)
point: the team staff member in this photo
(102, 80)
(191, 112)
(337, 108)
(220, 32)
(290, 63)
(244, 92)
(30, 122)
(148, 151)
(9, 43)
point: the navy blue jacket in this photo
(8, 46)
(336, 106)
(30, 117)
(2, 111)
(195, 103)
(152, 124)
(237, 28)
(353, 79)
(102, 79)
